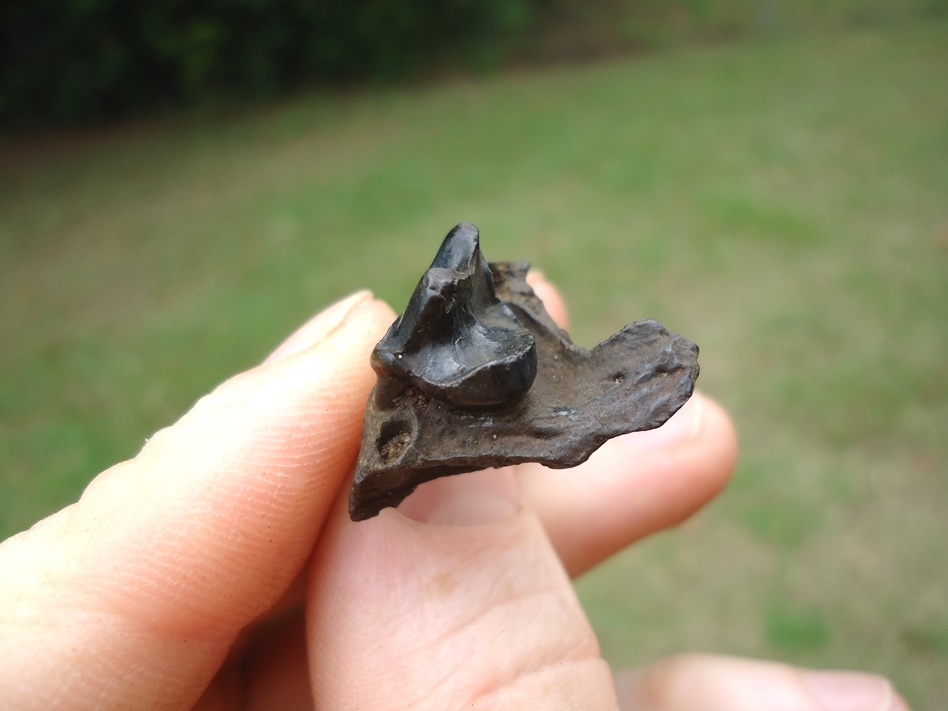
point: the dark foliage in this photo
(72, 60)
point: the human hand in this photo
(218, 568)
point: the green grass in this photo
(784, 204)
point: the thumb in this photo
(457, 600)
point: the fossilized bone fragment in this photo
(476, 374)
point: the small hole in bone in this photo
(393, 439)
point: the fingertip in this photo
(634, 485)
(721, 436)
(851, 691)
(550, 296)
(713, 450)
(464, 499)
(323, 324)
(735, 684)
(698, 446)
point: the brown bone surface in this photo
(475, 374)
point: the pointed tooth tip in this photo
(468, 231)
(459, 249)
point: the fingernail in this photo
(852, 691)
(464, 499)
(683, 426)
(318, 328)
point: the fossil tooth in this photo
(476, 374)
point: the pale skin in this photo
(218, 569)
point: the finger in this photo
(318, 328)
(712, 683)
(466, 608)
(131, 596)
(550, 296)
(634, 485)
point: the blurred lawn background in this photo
(781, 199)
